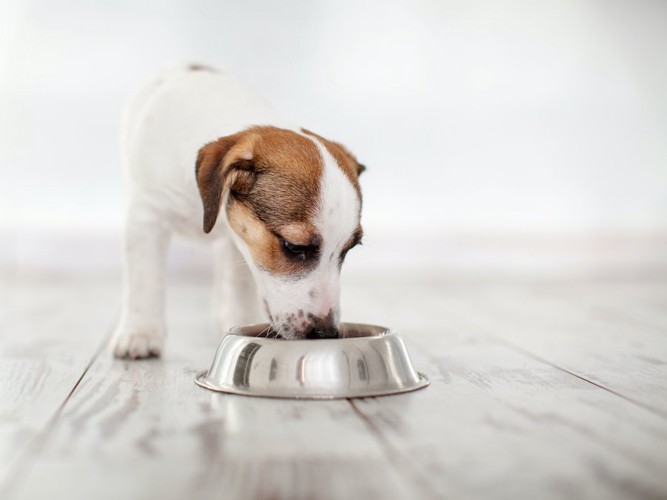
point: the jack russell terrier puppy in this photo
(280, 203)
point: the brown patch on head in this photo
(272, 178)
(345, 159)
(287, 188)
(275, 171)
(299, 233)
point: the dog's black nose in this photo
(319, 332)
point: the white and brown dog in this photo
(290, 203)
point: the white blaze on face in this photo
(294, 302)
(336, 221)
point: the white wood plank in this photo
(50, 329)
(494, 425)
(498, 424)
(608, 347)
(144, 430)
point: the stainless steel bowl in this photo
(366, 361)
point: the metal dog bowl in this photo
(366, 361)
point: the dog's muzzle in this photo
(320, 332)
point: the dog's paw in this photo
(137, 345)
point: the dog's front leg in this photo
(141, 329)
(237, 300)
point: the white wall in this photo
(473, 117)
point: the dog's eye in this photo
(295, 251)
(356, 240)
(344, 253)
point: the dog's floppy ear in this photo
(225, 164)
(360, 168)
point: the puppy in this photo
(280, 204)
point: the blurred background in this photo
(499, 136)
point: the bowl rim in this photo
(251, 332)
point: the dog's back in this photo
(168, 120)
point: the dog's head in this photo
(293, 202)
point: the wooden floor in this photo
(554, 389)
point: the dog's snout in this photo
(320, 332)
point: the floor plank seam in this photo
(536, 357)
(490, 336)
(395, 457)
(15, 471)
